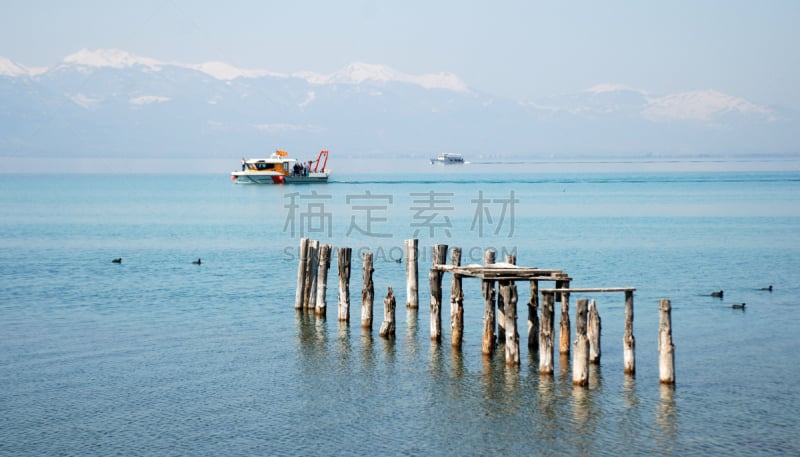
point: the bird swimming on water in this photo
(738, 305)
(117, 260)
(769, 289)
(717, 294)
(197, 262)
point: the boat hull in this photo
(244, 177)
(448, 159)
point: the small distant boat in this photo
(279, 168)
(448, 158)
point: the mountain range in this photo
(110, 103)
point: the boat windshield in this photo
(262, 166)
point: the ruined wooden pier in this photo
(500, 296)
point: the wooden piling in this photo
(580, 356)
(593, 332)
(628, 341)
(546, 348)
(456, 302)
(344, 256)
(487, 287)
(388, 327)
(500, 308)
(322, 279)
(368, 292)
(533, 317)
(666, 349)
(412, 273)
(310, 293)
(512, 337)
(301, 274)
(435, 277)
(501, 304)
(564, 324)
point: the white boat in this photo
(279, 168)
(448, 158)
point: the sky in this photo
(522, 50)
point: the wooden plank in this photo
(591, 289)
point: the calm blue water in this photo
(160, 356)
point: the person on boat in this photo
(243, 163)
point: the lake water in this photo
(159, 356)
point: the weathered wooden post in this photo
(666, 350)
(546, 347)
(435, 276)
(368, 292)
(580, 357)
(387, 327)
(628, 341)
(500, 310)
(456, 302)
(412, 274)
(344, 255)
(322, 279)
(301, 274)
(533, 317)
(310, 294)
(487, 286)
(563, 329)
(593, 332)
(501, 304)
(512, 337)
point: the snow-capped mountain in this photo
(113, 103)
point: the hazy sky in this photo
(516, 49)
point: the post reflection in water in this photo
(546, 421)
(343, 343)
(389, 349)
(629, 392)
(630, 422)
(320, 329)
(308, 330)
(511, 394)
(667, 418)
(367, 354)
(564, 372)
(457, 363)
(436, 360)
(595, 376)
(487, 375)
(585, 415)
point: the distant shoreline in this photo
(421, 165)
